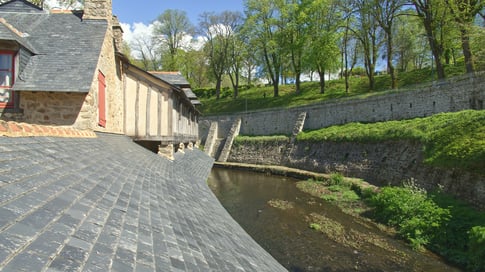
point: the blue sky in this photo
(146, 11)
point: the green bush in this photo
(336, 179)
(477, 248)
(416, 217)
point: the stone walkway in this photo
(107, 204)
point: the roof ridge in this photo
(13, 29)
(15, 129)
(166, 72)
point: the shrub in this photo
(336, 179)
(416, 217)
(476, 245)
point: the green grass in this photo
(257, 98)
(450, 139)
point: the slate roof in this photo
(174, 78)
(107, 204)
(65, 49)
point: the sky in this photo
(146, 11)
(136, 17)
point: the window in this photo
(101, 100)
(7, 96)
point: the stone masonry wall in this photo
(62, 109)
(114, 86)
(378, 163)
(460, 93)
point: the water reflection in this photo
(286, 235)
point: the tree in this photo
(294, 25)
(464, 12)
(194, 66)
(366, 29)
(411, 45)
(172, 27)
(322, 51)
(263, 25)
(385, 12)
(433, 15)
(236, 55)
(219, 31)
(145, 48)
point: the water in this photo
(286, 234)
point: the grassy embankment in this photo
(257, 98)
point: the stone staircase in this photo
(233, 133)
(299, 124)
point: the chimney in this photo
(98, 9)
(117, 34)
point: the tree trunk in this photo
(298, 83)
(436, 49)
(390, 65)
(276, 90)
(322, 81)
(467, 52)
(218, 88)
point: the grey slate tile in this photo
(119, 207)
(26, 262)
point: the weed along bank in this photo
(398, 157)
(77, 193)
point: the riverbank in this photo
(307, 233)
(410, 203)
(289, 172)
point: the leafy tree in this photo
(464, 13)
(366, 29)
(146, 48)
(172, 27)
(433, 14)
(294, 25)
(193, 65)
(411, 45)
(236, 57)
(386, 12)
(219, 30)
(322, 51)
(263, 25)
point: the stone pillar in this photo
(166, 151)
(181, 148)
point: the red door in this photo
(101, 99)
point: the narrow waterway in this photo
(286, 235)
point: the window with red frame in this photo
(7, 76)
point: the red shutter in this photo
(102, 99)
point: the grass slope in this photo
(450, 139)
(257, 98)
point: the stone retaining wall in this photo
(377, 163)
(455, 94)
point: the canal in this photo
(285, 233)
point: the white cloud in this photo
(137, 33)
(55, 4)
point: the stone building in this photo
(64, 68)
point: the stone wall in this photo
(377, 163)
(460, 93)
(107, 64)
(62, 109)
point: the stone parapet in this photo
(14, 129)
